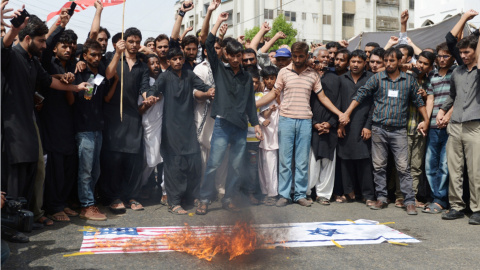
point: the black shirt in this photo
(126, 136)
(352, 146)
(324, 145)
(88, 114)
(20, 74)
(234, 94)
(179, 133)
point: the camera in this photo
(13, 216)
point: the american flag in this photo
(82, 5)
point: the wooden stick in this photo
(121, 61)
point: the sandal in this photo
(70, 212)
(399, 203)
(369, 203)
(177, 210)
(117, 207)
(432, 208)
(45, 221)
(419, 204)
(164, 200)
(340, 199)
(60, 217)
(134, 205)
(323, 201)
(202, 208)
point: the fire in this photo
(205, 244)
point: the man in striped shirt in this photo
(436, 167)
(296, 81)
(391, 90)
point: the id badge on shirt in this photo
(392, 93)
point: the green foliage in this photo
(279, 24)
(250, 33)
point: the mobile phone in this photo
(39, 97)
(16, 22)
(72, 9)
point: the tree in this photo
(280, 24)
(250, 33)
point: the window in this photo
(315, 17)
(290, 16)
(367, 23)
(411, 4)
(238, 17)
(347, 19)
(205, 9)
(327, 19)
(293, 16)
(230, 17)
(304, 16)
(268, 14)
(367, 1)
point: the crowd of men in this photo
(208, 116)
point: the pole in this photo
(121, 78)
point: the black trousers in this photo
(18, 179)
(60, 178)
(358, 172)
(182, 178)
(120, 176)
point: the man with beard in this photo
(341, 61)
(161, 48)
(21, 73)
(354, 145)
(376, 60)
(391, 91)
(58, 130)
(369, 47)
(89, 124)
(121, 155)
(332, 48)
(190, 48)
(179, 146)
(297, 81)
(250, 59)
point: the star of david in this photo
(323, 232)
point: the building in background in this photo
(434, 11)
(315, 20)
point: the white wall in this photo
(437, 10)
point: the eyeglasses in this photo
(443, 56)
(248, 59)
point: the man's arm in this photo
(56, 84)
(95, 29)
(178, 22)
(467, 16)
(112, 89)
(264, 29)
(271, 42)
(62, 21)
(13, 32)
(112, 67)
(206, 22)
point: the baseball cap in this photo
(283, 52)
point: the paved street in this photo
(445, 244)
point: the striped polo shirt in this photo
(297, 89)
(390, 98)
(440, 86)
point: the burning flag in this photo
(82, 5)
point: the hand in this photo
(325, 128)
(393, 41)
(343, 43)
(446, 120)
(366, 134)
(285, 46)
(68, 78)
(344, 119)
(258, 132)
(81, 66)
(440, 117)
(5, 16)
(223, 17)
(266, 123)
(223, 29)
(467, 16)
(407, 66)
(150, 101)
(83, 86)
(146, 50)
(17, 14)
(120, 47)
(188, 29)
(341, 132)
(422, 92)
(423, 128)
(265, 27)
(404, 17)
(273, 107)
(318, 127)
(98, 5)
(64, 17)
(187, 6)
(241, 39)
(280, 35)
(211, 93)
(213, 5)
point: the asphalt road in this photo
(444, 244)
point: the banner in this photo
(82, 5)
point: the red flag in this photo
(84, 4)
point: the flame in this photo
(241, 239)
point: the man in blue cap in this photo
(283, 57)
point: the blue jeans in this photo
(293, 134)
(89, 145)
(436, 166)
(396, 141)
(224, 133)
